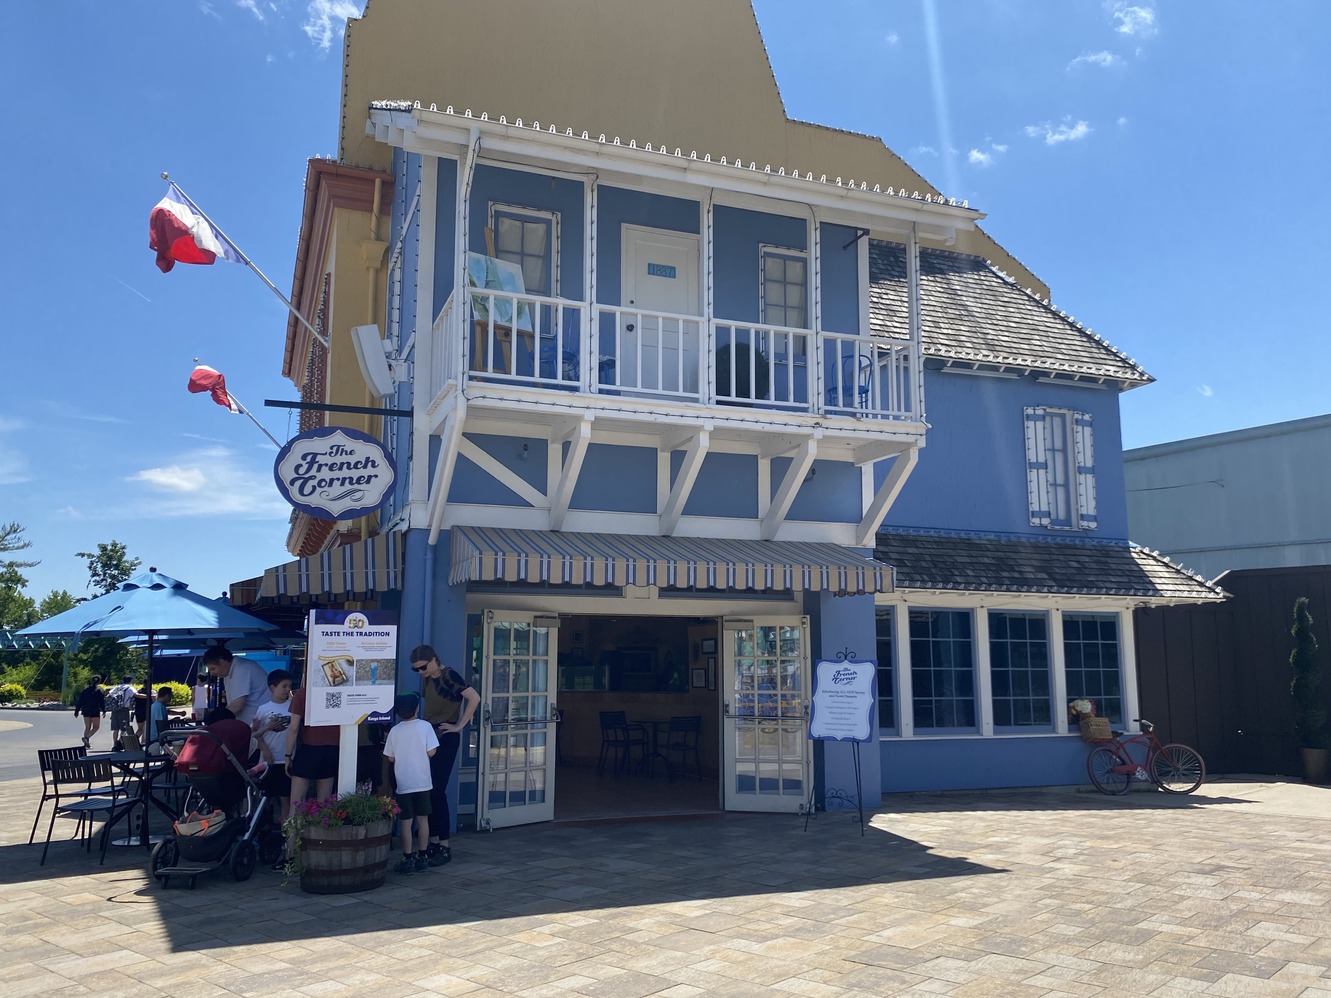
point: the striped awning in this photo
(352, 571)
(490, 554)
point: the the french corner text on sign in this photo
(334, 473)
(844, 694)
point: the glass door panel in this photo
(766, 678)
(516, 784)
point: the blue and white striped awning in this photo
(491, 554)
(352, 571)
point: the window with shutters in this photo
(1060, 468)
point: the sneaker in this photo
(407, 867)
(280, 866)
(422, 864)
(439, 855)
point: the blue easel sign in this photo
(844, 695)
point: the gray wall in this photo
(1254, 498)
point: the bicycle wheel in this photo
(1178, 769)
(1100, 767)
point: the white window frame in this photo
(1077, 465)
(787, 251)
(499, 207)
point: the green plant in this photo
(12, 693)
(742, 352)
(1304, 688)
(181, 695)
(361, 807)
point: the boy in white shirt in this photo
(408, 749)
(269, 728)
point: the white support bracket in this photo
(562, 494)
(515, 483)
(443, 469)
(886, 495)
(800, 463)
(695, 452)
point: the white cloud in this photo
(1138, 22)
(893, 38)
(69, 513)
(252, 6)
(208, 9)
(1205, 391)
(324, 20)
(1103, 60)
(209, 482)
(1122, 122)
(172, 479)
(1056, 134)
(922, 151)
(977, 158)
(997, 147)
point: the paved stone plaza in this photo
(1017, 893)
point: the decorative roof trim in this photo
(678, 154)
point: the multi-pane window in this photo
(887, 694)
(1060, 468)
(942, 668)
(1091, 661)
(785, 297)
(527, 240)
(1019, 669)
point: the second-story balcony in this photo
(497, 341)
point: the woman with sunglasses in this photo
(448, 703)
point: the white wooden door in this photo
(516, 779)
(765, 714)
(659, 274)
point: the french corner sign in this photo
(334, 473)
(843, 701)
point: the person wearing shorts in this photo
(311, 753)
(410, 746)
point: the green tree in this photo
(16, 607)
(56, 601)
(12, 539)
(109, 566)
(1304, 688)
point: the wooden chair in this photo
(45, 759)
(682, 739)
(618, 740)
(71, 782)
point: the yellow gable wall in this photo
(692, 74)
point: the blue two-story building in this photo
(684, 426)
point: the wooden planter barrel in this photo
(345, 859)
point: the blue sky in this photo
(1162, 166)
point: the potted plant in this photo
(341, 845)
(1304, 688)
(741, 352)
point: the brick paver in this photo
(1021, 893)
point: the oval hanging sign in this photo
(334, 473)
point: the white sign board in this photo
(350, 665)
(844, 695)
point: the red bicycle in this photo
(1174, 768)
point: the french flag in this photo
(180, 234)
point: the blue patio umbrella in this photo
(149, 609)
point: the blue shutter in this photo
(1037, 467)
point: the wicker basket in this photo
(1095, 729)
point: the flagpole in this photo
(241, 406)
(258, 273)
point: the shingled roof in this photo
(1012, 565)
(973, 314)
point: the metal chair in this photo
(682, 739)
(72, 780)
(619, 739)
(856, 382)
(45, 759)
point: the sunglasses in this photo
(420, 668)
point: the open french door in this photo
(516, 765)
(765, 714)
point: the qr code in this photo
(333, 701)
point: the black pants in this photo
(441, 768)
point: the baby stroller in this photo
(226, 820)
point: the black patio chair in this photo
(682, 739)
(45, 759)
(71, 781)
(618, 740)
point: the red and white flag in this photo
(205, 379)
(180, 234)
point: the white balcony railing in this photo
(548, 343)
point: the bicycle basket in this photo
(1095, 729)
